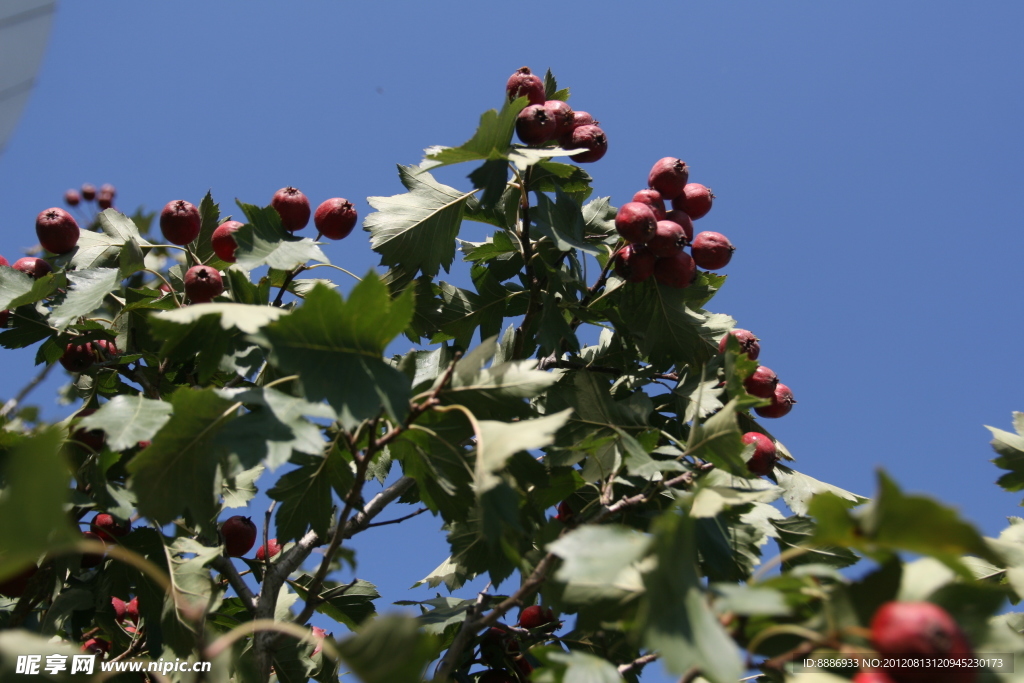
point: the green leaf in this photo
(240, 489)
(87, 289)
(18, 289)
(305, 494)
(209, 219)
(131, 259)
(371, 652)
(563, 221)
(416, 231)
(500, 391)
(498, 441)
(243, 317)
(336, 348)
(490, 141)
(798, 489)
(351, 607)
(596, 414)
(1010, 448)
(573, 667)
(127, 420)
(600, 562)
(264, 242)
(800, 531)
(750, 600)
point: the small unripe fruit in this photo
(108, 528)
(202, 284)
(80, 357)
(765, 454)
(683, 220)
(675, 271)
(72, 198)
(536, 616)
(534, 125)
(180, 222)
(782, 402)
(30, 265)
(762, 383)
(668, 240)
(695, 200)
(223, 240)
(669, 176)
(748, 343)
(712, 250)
(239, 535)
(15, 586)
(634, 263)
(90, 560)
(525, 83)
(652, 198)
(590, 138)
(563, 116)
(88, 192)
(293, 207)
(274, 547)
(636, 222)
(131, 609)
(57, 230)
(910, 629)
(335, 218)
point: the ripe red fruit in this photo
(668, 176)
(634, 263)
(535, 125)
(4, 262)
(536, 616)
(590, 138)
(747, 340)
(15, 586)
(90, 560)
(782, 402)
(636, 222)
(652, 198)
(80, 357)
(104, 200)
(695, 200)
(765, 454)
(872, 677)
(579, 119)
(293, 207)
(108, 190)
(223, 241)
(496, 676)
(96, 646)
(131, 609)
(30, 265)
(910, 629)
(683, 220)
(319, 634)
(57, 230)
(107, 528)
(563, 116)
(88, 192)
(669, 239)
(3, 318)
(565, 513)
(202, 284)
(762, 383)
(239, 535)
(72, 198)
(274, 547)
(120, 611)
(525, 83)
(93, 438)
(335, 218)
(712, 250)
(675, 271)
(180, 222)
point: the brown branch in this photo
(287, 281)
(225, 567)
(532, 282)
(638, 663)
(397, 521)
(690, 676)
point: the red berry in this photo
(579, 119)
(747, 340)
(80, 357)
(107, 528)
(88, 192)
(675, 271)
(525, 83)
(4, 262)
(108, 190)
(131, 610)
(683, 220)
(535, 125)
(909, 629)
(782, 402)
(335, 218)
(104, 200)
(30, 265)
(239, 535)
(669, 239)
(636, 222)
(119, 608)
(634, 263)
(565, 513)
(90, 560)
(274, 547)
(15, 586)
(93, 438)
(223, 241)
(536, 616)
(72, 198)
(590, 138)
(652, 198)
(3, 318)
(293, 207)
(668, 176)
(762, 383)
(180, 222)
(96, 646)
(202, 284)
(695, 200)
(563, 116)
(765, 454)
(712, 250)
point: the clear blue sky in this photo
(866, 157)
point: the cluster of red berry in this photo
(104, 198)
(500, 645)
(658, 238)
(544, 120)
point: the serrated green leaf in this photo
(127, 420)
(351, 607)
(246, 318)
(718, 440)
(490, 141)
(798, 489)
(131, 259)
(370, 653)
(264, 242)
(209, 219)
(600, 562)
(498, 441)
(237, 491)
(800, 531)
(87, 289)
(574, 666)
(18, 289)
(306, 497)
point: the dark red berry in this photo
(636, 222)
(634, 263)
(590, 138)
(223, 240)
(57, 230)
(695, 200)
(30, 265)
(80, 357)
(683, 220)
(239, 535)
(762, 383)
(534, 125)
(335, 218)
(202, 284)
(88, 192)
(108, 528)
(72, 198)
(525, 83)
(536, 616)
(920, 629)
(293, 207)
(272, 545)
(765, 454)
(120, 611)
(104, 201)
(582, 118)
(131, 609)
(4, 262)
(782, 403)
(565, 513)
(180, 222)
(652, 198)
(15, 586)
(563, 116)
(669, 239)
(748, 343)
(108, 190)
(712, 250)
(669, 176)
(675, 271)
(93, 438)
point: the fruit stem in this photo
(287, 281)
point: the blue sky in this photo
(865, 156)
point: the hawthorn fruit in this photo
(272, 545)
(335, 218)
(202, 284)
(909, 629)
(634, 263)
(525, 83)
(536, 616)
(30, 265)
(636, 222)
(765, 454)
(239, 535)
(180, 222)
(57, 230)
(695, 200)
(675, 271)
(712, 250)
(762, 383)
(748, 343)
(652, 198)
(534, 125)
(590, 138)
(108, 528)
(223, 240)
(668, 240)
(669, 176)
(293, 207)
(782, 403)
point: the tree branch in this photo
(638, 663)
(225, 567)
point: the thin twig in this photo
(638, 663)
(400, 519)
(287, 281)
(26, 390)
